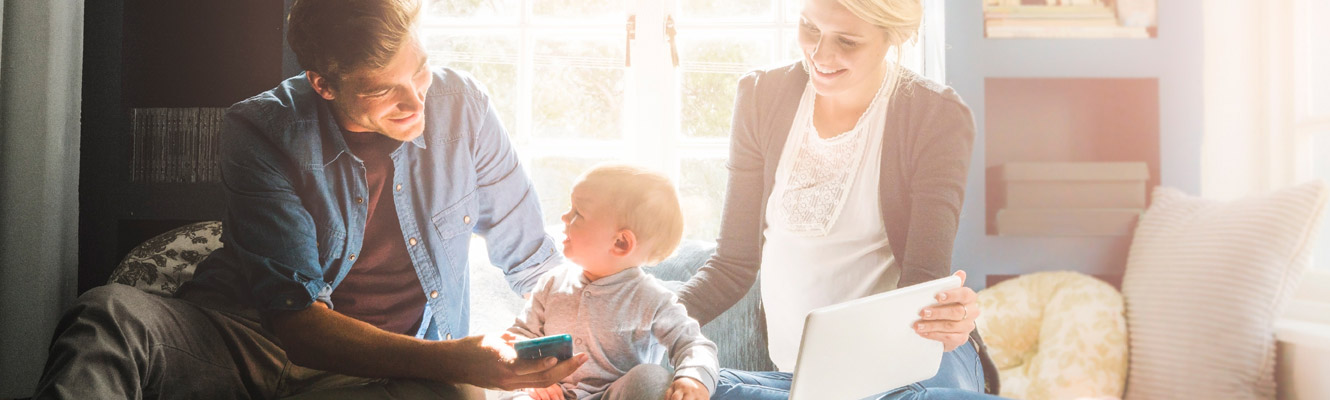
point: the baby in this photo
(621, 217)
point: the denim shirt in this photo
(295, 217)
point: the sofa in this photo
(1187, 332)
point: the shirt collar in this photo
(334, 145)
(626, 275)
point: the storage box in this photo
(1068, 221)
(1075, 185)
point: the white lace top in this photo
(825, 239)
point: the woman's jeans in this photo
(960, 376)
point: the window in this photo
(573, 88)
(1312, 102)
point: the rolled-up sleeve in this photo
(270, 237)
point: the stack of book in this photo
(1064, 19)
(1072, 199)
(175, 145)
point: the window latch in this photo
(669, 33)
(628, 43)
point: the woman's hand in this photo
(685, 388)
(952, 318)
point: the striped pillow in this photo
(1205, 281)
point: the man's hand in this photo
(685, 388)
(490, 362)
(551, 392)
(952, 318)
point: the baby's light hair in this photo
(642, 201)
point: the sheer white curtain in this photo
(41, 54)
(1245, 148)
(1267, 110)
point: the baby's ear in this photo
(624, 243)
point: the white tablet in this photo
(867, 346)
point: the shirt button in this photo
(586, 294)
(360, 200)
(579, 340)
(466, 219)
(352, 257)
(412, 241)
(290, 302)
(434, 294)
(399, 187)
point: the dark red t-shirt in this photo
(382, 288)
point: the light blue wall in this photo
(1175, 57)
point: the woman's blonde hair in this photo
(899, 18)
(642, 201)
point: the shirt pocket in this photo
(458, 218)
(332, 243)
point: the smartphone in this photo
(560, 346)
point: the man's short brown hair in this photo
(335, 37)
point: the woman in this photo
(846, 179)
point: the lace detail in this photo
(816, 174)
(820, 178)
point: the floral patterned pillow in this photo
(1055, 335)
(161, 264)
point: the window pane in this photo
(701, 196)
(580, 10)
(472, 9)
(491, 58)
(579, 87)
(1318, 54)
(729, 9)
(1321, 164)
(553, 178)
(792, 9)
(712, 63)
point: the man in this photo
(352, 194)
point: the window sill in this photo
(1306, 321)
(1303, 333)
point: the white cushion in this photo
(1204, 283)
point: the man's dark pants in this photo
(120, 342)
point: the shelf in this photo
(1073, 120)
(1080, 19)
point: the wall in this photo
(1174, 58)
(39, 148)
(148, 53)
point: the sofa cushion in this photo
(1055, 335)
(159, 265)
(1204, 283)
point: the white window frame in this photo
(652, 133)
(1305, 320)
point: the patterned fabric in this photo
(1055, 335)
(821, 178)
(161, 264)
(1204, 284)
